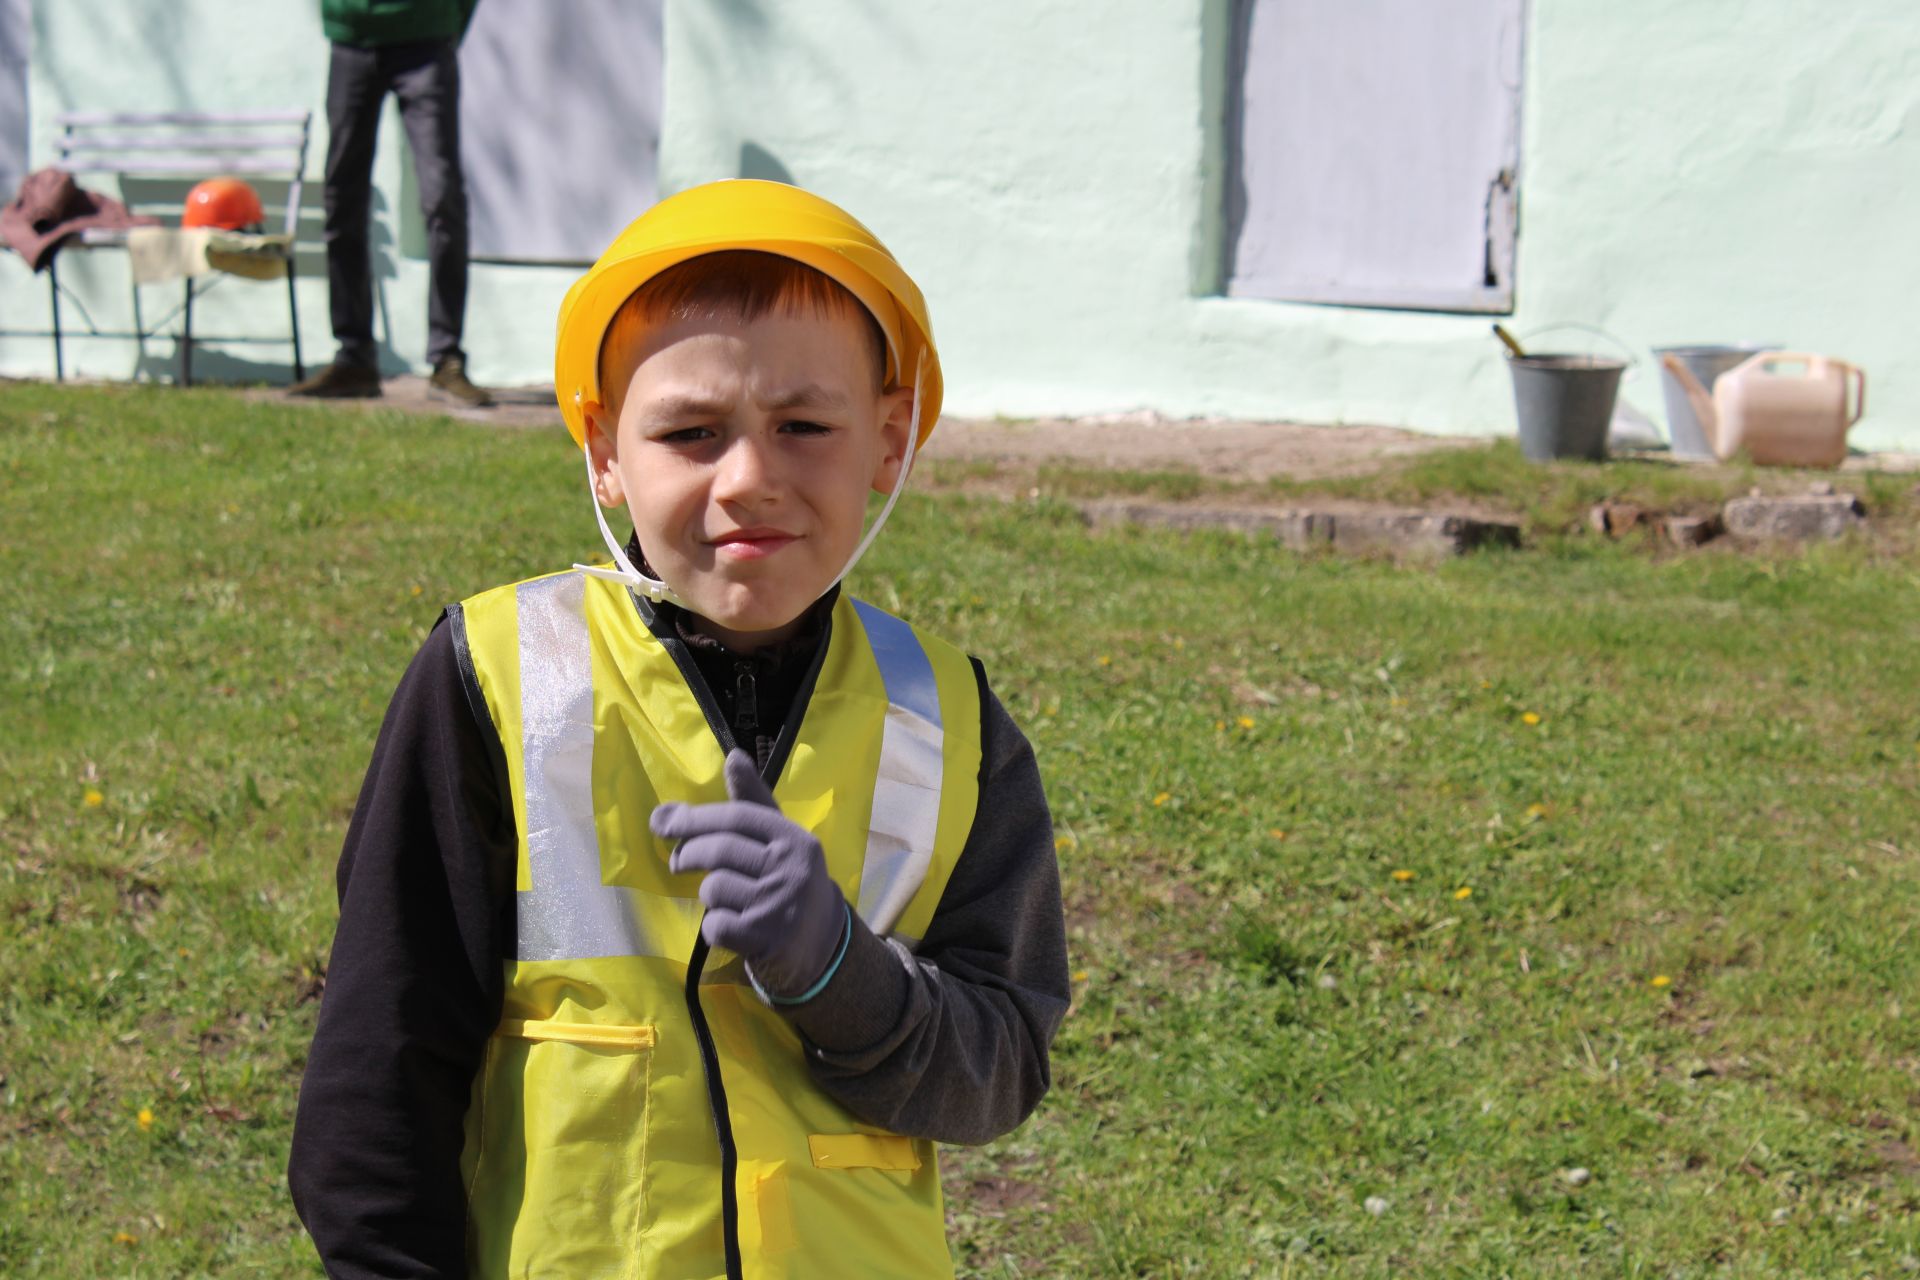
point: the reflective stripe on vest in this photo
(906, 791)
(569, 913)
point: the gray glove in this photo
(766, 889)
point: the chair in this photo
(182, 146)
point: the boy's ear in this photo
(603, 448)
(896, 422)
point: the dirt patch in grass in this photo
(989, 1193)
(1899, 1158)
(1223, 449)
(1124, 896)
(139, 898)
(996, 1195)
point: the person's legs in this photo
(356, 84)
(427, 87)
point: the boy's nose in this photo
(745, 472)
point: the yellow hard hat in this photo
(744, 213)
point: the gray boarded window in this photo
(1375, 151)
(16, 33)
(560, 124)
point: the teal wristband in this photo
(846, 937)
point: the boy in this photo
(688, 902)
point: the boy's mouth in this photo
(751, 544)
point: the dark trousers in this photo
(425, 79)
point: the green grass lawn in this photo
(1411, 887)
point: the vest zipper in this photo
(746, 716)
(746, 703)
(722, 1118)
(697, 962)
(696, 965)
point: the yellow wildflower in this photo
(93, 799)
(1277, 833)
(1531, 717)
(1106, 659)
(1162, 798)
(1536, 811)
(1402, 875)
(1463, 892)
(1080, 975)
(123, 1237)
(1245, 722)
(144, 1119)
(416, 590)
(1660, 980)
(1219, 726)
(1063, 842)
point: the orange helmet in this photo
(222, 202)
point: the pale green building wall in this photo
(1051, 172)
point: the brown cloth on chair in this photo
(50, 206)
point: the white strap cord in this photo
(899, 484)
(655, 589)
(652, 588)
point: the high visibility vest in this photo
(593, 1144)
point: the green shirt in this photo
(372, 22)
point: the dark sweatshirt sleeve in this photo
(950, 1042)
(413, 987)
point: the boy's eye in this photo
(685, 435)
(805, 428)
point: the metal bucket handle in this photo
(1632, 359)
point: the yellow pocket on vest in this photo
(863, 1151)
(604, 1037)
(558, 1182)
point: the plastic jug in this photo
(1785, 408)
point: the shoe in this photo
(449, 382)
(340, 382)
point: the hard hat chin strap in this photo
(900, 481)
(656, 590)
(625, 574)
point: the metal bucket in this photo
(1564, 404)
(1706, 363)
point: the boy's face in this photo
(744, 451)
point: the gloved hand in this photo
(766, 890)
